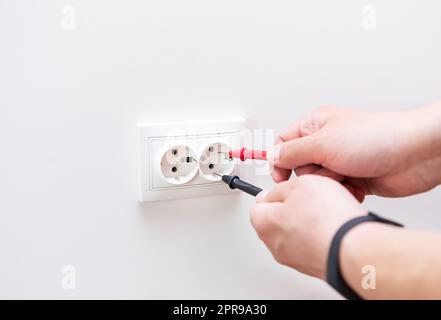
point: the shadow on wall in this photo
(201, 216)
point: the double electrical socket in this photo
(180, 160)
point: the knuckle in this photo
(311, 124)
(278, 258)
(282, 259)
(323, 109)
(307, 181)
(279, 254)
(261, 224)
(306, 127)
(254, 218)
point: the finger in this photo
(329, 174)
(318, 170)
(306, 169)
(361, 183)
(354, 186)
(295, 153)
(298, 129)
(279, 192)
(292, 132)
(357, 192)
(308, 125)
(279, 174)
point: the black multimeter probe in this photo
(234, 182)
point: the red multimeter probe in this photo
(244, 154)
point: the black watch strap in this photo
(333, 273)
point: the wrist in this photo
(422, 133)
(348, 286)
(358, 255)
(329, 230)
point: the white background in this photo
(70, 100)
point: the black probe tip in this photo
(229, 180)
(234, 182)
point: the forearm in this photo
(417, 137)
(403, 264)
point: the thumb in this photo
(295, 153)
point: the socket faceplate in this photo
(154, 139)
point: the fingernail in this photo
(273, 154)
(261, 196)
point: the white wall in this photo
(70, 100)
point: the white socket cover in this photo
(177, 163)
(156, 139)
(214, 158)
